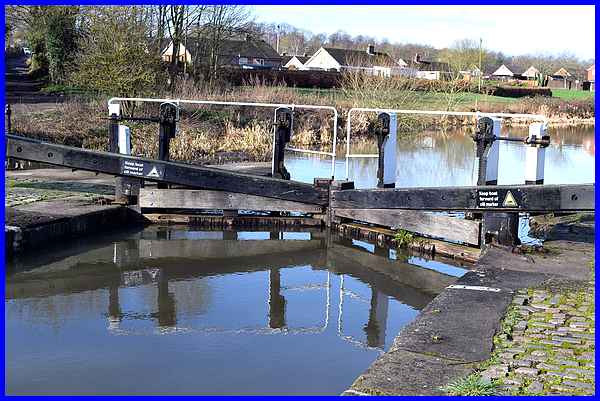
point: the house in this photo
(341, 60)
(561, 79)
(470, 74)
(591, 73)
(503, 73)
(402, 63)
(590, 82)
(248, 53)
(431, 70)
(294, 62)
(183, 55)
(531, 73)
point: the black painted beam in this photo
(162, 171)
(504, 198)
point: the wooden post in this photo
(386, 132)
(488, 150)
(8, 113)
(11, 163)
(334, 185)
(167, 130)
(535, 155)
(283, 133)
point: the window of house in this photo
(243, 60)
(261, 61)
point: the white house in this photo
(531, 73)
(369, 61)
(503, 71)
(182, 56)
(294, 62)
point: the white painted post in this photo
(390, 156)
(124, 142)
(535, 155)
(114, 108)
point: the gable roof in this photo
(232, 48)
(287, 59)
(531, 72)
(591, 67)
(562, 72)
(503, 71)
(360, 58)
(254, 48)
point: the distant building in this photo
(431, 70)
(402, 63)
(369, 61)
(245, 53)
(590, 82)
(470, 74)
(294, 62)
(503, 73)
(531, 73)
(591, 73)
(561, 79)
(183, 55)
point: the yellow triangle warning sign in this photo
(153, 173)
(509, 200)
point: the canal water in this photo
(447, 158)
(165, 310)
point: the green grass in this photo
(567, 94)
(470, 385)
(423, 100)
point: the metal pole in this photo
(8, 119)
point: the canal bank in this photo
(47, 205)
(520, 324)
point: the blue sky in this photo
(511, 29)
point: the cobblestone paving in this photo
(546, 345)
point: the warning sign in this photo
(499, 198)
(509, 200)
(141, 169)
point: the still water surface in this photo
(181, 311)
(439, 158)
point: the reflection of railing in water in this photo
(166, 314)
(376, 326)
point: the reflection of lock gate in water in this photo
(375, 328)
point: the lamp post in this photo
(277, 39)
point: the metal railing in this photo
(533, 117)
(274, 106)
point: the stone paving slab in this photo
(401, 372)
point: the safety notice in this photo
(498, 198)
(141, 169)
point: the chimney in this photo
(371, 49)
